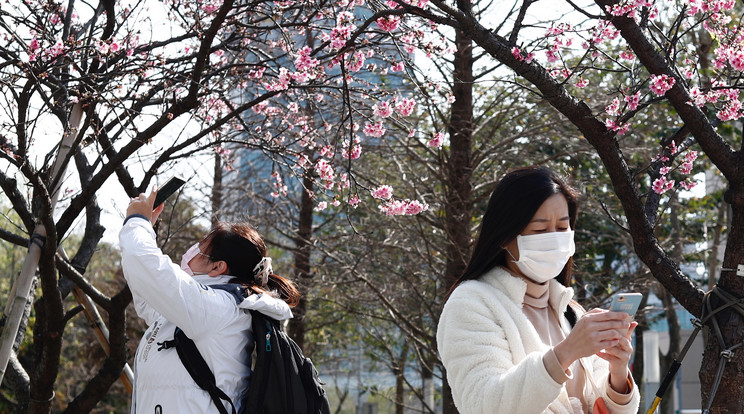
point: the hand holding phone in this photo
(626, 302)
(168, 189)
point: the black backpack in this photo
(284, 381)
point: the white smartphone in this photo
(626, 302)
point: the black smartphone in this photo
(168, 189)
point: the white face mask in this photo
(543, 256)
(192, 252)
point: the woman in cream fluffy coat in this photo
(503, 336)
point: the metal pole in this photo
(31, 262)
(102, 333)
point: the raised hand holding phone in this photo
(168, 189)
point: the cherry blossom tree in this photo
(652, 45)
(137, 88)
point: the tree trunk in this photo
(302, 261)
(399, 370)
(217, 190)
(459, 205)
(730, 393)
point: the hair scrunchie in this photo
(262, 271)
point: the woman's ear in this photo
(218, 268)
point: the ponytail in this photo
(285, 289)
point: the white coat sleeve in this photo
(601, 369)
(473, 346)
(166, 289)
(144, 311)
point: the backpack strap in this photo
(265, 334)
(238, 292)
(193, 360)
(197, 367)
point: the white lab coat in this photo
(165, 297)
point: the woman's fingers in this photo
(142, 204)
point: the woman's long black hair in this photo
(514, 201)
(241, 247)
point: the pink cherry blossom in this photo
(686, 167)
(324, 169)
(737, 60)
(662, 185)
(612, 125)
(660, 84)
(633, 100)
(304, 61)
(354, 201)
(56, 50)
(613, 108)
(282, 81)
(673, 147)
(627, 54)
(398, 67)
(34, 46)
(664, 170)
(257, 73)
(517, 53)
(415, 207)
(393, 208)
(403, 207)
(691, 156)
(383, 192)
(687, 184)
(732, 110)
(405, 106)
(697, 97)
(321, 206)
(552, 54)
(388, 23)
(103, 47)
(437, 140)
(357, 61)
(327, 151)
(383, 110)
(374, 129)
(582, 83)
(355, 153)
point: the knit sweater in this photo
(493, 356)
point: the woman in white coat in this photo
(167, 295)
(503, 335)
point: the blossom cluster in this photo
(403, 207)
(632, 8)
(664, 183)
(660, 84)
